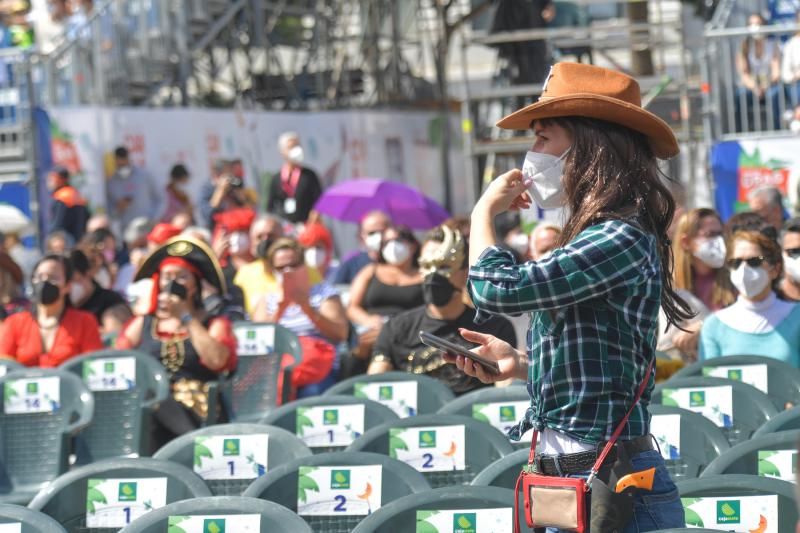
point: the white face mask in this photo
(519, 243)
(792, 265)
(296, 155)
(124, 172)
(711, 251)
(546, 171)
(315, 257)
(76, 293)
(373, 241)
(103, 278)
(239, 242)
(396, 252)
(749, 281)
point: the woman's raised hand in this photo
(508, 191)
(512, 363)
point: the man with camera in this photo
(295, 189)
(226, 191)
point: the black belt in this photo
(575, 463)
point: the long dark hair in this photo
(610, 173)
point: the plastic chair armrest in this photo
(160, 392)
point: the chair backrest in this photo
(501, 407)
(230, 456)
(329, 423)
(771, 455)
(739, 409)
(192, 514)
(9, 365)
(30, 521)
(785, 421)
(447, 449)
(778, 380)
(431, 394)
(688, 441)
(41, 410)
(753, 503)
(438, 509)
(305, 485)
(127, 386)
(253, 389)
(96, 495)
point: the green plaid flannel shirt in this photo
(593, 331)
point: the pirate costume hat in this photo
(189, 253)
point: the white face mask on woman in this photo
(792, 265)
(546, 172)
(749, 281)
(711, 251)
(315, 257)
(396, 252)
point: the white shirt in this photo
(756, 317)
(790, 64)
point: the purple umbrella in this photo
(351, 200)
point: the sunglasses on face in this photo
(291, 266)
(794, 253)
(709, 234)
(753, 262)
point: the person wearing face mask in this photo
(383, 290)
(68, 211)
(370, 235)
(132, 192)
(443, 263)
(256, 278)
(100, 246)
(295, 189)
(758, 64)
(108, 307)
(318, 244)
(53, 330)
(790, 243)
(177, 189)
(758, 323)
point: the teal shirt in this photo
(717, 339)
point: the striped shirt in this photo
(294, 318)
(594, 323)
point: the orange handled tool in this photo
(641, 480)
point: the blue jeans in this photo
(657, 509)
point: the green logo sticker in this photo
(32, 388)
(464, 523)
(340, 479)
(508, 413)
(214, 525)
(108, 367)
(427, 439)
(697, 398)
(735, 374)
(230, 447)
(127, 491)
(330, 417)
(385, 392)
(729, 512)
(251, 335)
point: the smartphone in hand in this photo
(173, 287)
(452, 348)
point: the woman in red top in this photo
(193, 346)
(52, 331)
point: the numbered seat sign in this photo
(502, 415)
(32, 395)
(231, 456)
(755, 375)
(115, 503)
(714, 403)
(667, 431)
(399, 396)
(16, 527)
(255, 340)
(338, 490)
(242, 523)
(731, 513)
(429, 449)
(781, 464)
(110, 374)
(330, 425)
(465, 521)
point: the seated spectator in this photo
(182, 220)
(758, 323)
(510, 235)
(790, 243)
(383, 290)
(107, 306)
(767, 202)
(256, 278)
(193, 346)
(135, 238)
(98, 221)
(443, 262)
(231, 240)
(54, 330)
(100, 246)
(68, 211)
(26, 258)
(544, 239)
(11, 291)
(749, 221)
(305, 304)
(178, 201)
(225, 191)
(758, 64)
(370, 232)
(59, 242)
(318, 244)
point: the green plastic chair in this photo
(785, 421)
(751, 407)
(65, 498)
(743, 458)
(285, 416)
(783, 380)
(465, 405)
(281, 485)
(121, 422)
(9, 365)
(432, 394)
(31, 521)
(737, 485)
(282, 447)
(401, 516)
(252, 390)
(35, 447)
(273, 516)
(504, 472)
(483, 445)
(701, 442)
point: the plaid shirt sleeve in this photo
(600, 259)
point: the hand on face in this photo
(508, 191)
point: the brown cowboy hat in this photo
(576, 90)
(194, 252)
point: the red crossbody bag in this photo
(560, 502)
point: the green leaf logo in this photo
(464, 522)
(214, 525)
(668, 397)
(477, 412)
(508, 413)
(108, 367)
(697, 398)
(305, 483)
(251, 335)
(729, 512)
(330, 417)
(93, 495)
(200, 451)
(396, 442)
(127, 491)
(302, 422)
(340, 479)
(32, 388)
(230, 447)
(385, 392)
(735, 374)
(427, 438)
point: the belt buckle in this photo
(537, 463)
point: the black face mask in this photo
(437, 290)
(263, 246)
(45, 292)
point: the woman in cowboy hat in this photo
(595, 300)
(194, 347)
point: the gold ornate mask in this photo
(446, 258)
